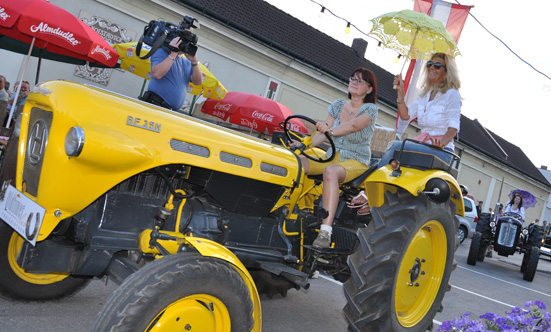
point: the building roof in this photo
(479, 138)
(277, 30)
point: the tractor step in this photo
(328, 251)
(295, 276)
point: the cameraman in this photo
(171, 74)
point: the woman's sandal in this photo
(365, 210)
(359, 201)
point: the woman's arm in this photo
(522, 212)
(402, 107)
(448, 137)
(353, 125)
(322, 127)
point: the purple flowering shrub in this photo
(518, 320)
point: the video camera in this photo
(160, 33)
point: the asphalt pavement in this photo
(494, 285)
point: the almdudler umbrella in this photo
(252, 111)
(44, 25)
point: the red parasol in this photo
(252, 111)
(54, 28)
(44, 25)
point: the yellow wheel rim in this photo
(199, 312)
(14, 247)
(420, 275)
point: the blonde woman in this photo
(438, 112)
(438, 109)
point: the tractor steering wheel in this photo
(306, 142)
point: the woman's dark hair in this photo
(513, 200)
(368, 76)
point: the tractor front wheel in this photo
(180, 292)
(531, 263)
(19, 284)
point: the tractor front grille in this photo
(38, 132)
(507, 234)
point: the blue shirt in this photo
(173, 86)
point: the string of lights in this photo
(501, 41)
(350, 24)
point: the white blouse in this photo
(436, 116)
(520, 211)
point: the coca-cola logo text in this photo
(295, 127)
(248, 123)
(222, 107)
(266, 117)
(3, 15)
(219, 114)
(45, 28)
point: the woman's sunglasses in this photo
(437, 65)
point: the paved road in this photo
(493, 285)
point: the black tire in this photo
(474, 249)
(18, 284)
(462, 233)
(482, 252)
(535, 237)
(531, 264)
(524, 261)
(196, 287)
(483, 225)
(392, 251)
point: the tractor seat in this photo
(424, 161)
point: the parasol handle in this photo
(20, 79)
(395, 87)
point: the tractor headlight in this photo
(492, 224)
(525, 231)
(74, 141)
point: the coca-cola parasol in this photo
(47, 26)
(252, 111)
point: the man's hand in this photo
(192, 58)
(174, 45)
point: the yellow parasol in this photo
(415, 35)
(128, 60)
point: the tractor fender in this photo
(207, 248)
(412, 180)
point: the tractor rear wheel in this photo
(401, 269)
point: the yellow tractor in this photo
(194, 221)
